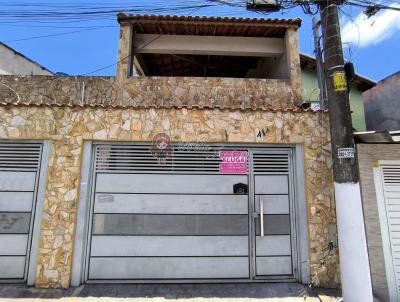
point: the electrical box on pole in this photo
(263, 5)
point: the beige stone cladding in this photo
(67, 128)
(145, 92)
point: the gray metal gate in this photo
(274, 253)
(19, 174)
(181, 219)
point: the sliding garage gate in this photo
(19, 174)
(181, 219)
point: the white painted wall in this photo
(13, 63)
(209, 45)
(354, 263)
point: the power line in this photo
(16, 13)
(19, 11)
(76, 12)
(55, 35)
(369, 5)
(105, 67)
(53, 26)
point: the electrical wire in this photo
(47, 14)
(75, 11)
(378, 6)
(105, 67)
(58, 34)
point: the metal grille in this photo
(19, 156)
(184, 158)
(19, 172)
(271, 163)
(391, 173)
(391, 187)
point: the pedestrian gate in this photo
(19, 174)
(180, 219)
(387, 185)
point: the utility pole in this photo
(320, 65)
(353, 252)
(354, 264)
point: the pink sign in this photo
(233, 162)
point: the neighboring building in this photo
(358, 86)
(382, 105)
(379, 164)
(130, 178)
(14, 63)
(379, 161)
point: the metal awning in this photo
(377, 137)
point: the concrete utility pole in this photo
(320, 66)
(354, 264)
(353, 252)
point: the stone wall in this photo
(149, 92)
(293, 62)
(67, 128)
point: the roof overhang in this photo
(377, 137)
(168, 45)
(208, 26)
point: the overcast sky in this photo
(372, 44)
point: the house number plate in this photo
(346, 152)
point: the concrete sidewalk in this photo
(270, 292)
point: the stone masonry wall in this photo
(67, 128)
(148, 92)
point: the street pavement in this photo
(269, 292)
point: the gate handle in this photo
(261, 217)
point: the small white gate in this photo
(387, 184)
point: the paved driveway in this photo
(270, 292)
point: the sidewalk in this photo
(269, 292)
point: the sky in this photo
(81, 47)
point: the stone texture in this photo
(124, 49)
(69, 110)
(149, 92)
(67, 128)
(293, 60)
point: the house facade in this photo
(13, 62)
(357, 87)
(379, 165)
(195, 163)
(382, 105)
(379, 162)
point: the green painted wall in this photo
(311, 94)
